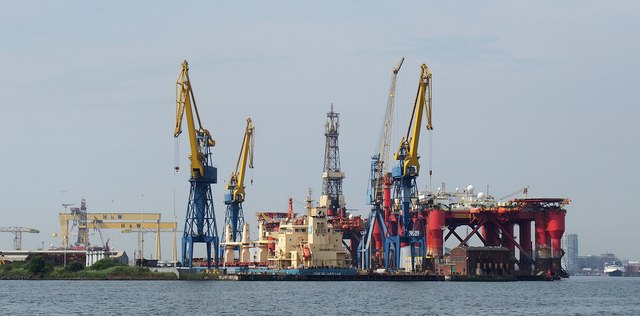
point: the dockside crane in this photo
(200, 223)
(404, 179)
(17, 234)
(234, 217)
(377, 228)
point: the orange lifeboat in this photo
(306, 252)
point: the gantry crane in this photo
(404, 179)
(86, 221)
(200, 223)
(377, 228)
(17, 234)
(141, 231)
(234, 217)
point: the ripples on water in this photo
(576, 296)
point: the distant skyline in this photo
(537, 93)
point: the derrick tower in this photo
(332, 196)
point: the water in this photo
(576, 296)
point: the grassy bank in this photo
(105, 269)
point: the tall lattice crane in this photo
(200, 223)
(380, 161)
(17, 234)
(379, 167)
(234, 217)
(404, 178)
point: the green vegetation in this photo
(37, 266)
(106, 269)
(106, 263)
(74, 266)
(119, 272)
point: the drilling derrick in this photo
(332, 197)
(200, 222)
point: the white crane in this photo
(17, 231)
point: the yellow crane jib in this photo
(408, 151)
(199, 139)
(236, 182)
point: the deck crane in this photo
(200, 223)
(404, 178)
(234, 218)
(377, 228)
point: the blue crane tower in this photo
(234, 217)
(379, 166)
(200, 222)
(410, 232)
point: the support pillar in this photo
(525, 243)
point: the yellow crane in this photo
(157, 231)
(114, 220)
(198, 138)
(234, 217)
(404, 179)
(408, 151)
(200, 221)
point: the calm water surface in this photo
(577, 296)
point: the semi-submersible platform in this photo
(404, 235)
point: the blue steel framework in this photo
(200, 220)
(376, 216)
(405, 190)
(404, 183)
(200, 223)
(233, 217)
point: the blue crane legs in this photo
(200, 223)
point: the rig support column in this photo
(555, 228)
(543, 249)
(506, 241)
(525, 243)
(435, 228)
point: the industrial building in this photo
(477, 261)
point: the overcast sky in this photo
(525, 93)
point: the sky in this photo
(541, 94)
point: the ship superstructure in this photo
(308, 242)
